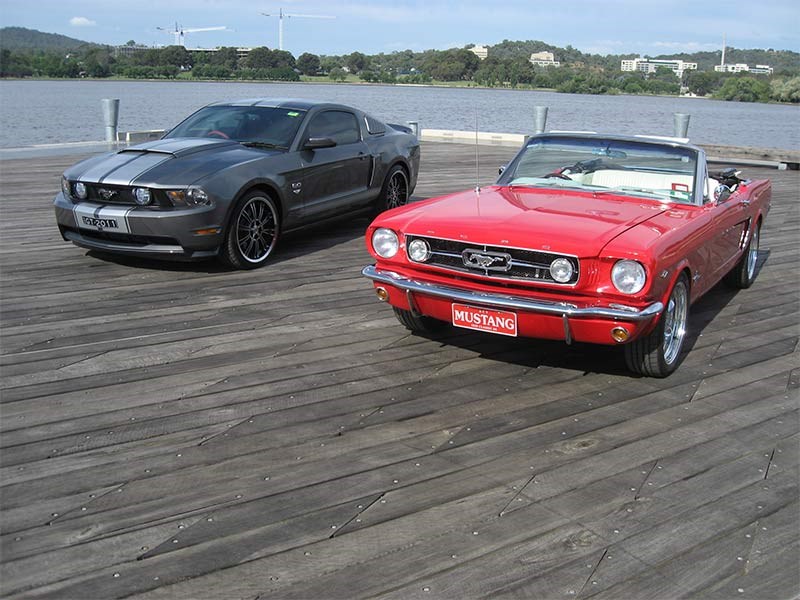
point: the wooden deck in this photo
(185, 431)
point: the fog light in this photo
(383, 295)
(620, 334)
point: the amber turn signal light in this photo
(383, 295)
(620, 334)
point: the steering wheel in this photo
(557, 175)
(218, 133)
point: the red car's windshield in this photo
(654, 170)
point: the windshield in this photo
(257, 125)
(636, 168)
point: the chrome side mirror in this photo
(500, 169)
(722, 193)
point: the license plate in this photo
(99, 224)
(98, 217)
(485, 319)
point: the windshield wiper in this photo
(637, 190)
(263, 145)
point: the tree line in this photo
(506, 67)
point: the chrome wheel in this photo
(256, 229)
(675, 317)
(752, 253)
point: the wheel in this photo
(252, 232)
(657, 354)
(395, 190)
(744, 273)
(418, 324)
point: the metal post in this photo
(681, 125)
(414, 127)
(110, 117)
(539, 118)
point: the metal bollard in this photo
(539, 118)
(681, 125)
(110, 117)
(414, 127)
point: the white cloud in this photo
(81, 22)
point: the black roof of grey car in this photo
(298, 103)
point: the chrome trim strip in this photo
(508, 302)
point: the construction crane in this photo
(180, 32)
(281, 15)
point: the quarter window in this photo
(340, 126)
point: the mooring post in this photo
(681, 125)
(414, 127)
(110, 117)
(539, 118)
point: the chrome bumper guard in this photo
(561, 309)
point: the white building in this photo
(480, 51)
(743, 68)
(544, 59)
(649, 65)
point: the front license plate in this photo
(95, 223)
(485, 319)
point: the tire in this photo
(252, 232)
(417, 324)
(395, 190)
(743, 274)
(658, 354)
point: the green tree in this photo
(744, 89)
(787, 90)
(337, 74)
(308, 63)
(357, 62)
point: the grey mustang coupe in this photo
(234, 176)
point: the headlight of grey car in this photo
(193, 196)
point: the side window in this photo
(340, 126)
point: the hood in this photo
(169, 162)
(564, 221)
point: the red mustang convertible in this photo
(584, 237)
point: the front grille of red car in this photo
(511, 263)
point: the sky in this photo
(644, 27)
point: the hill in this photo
(19, 39)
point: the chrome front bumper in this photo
(561, 309)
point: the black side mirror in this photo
(315, 143)
(722, 193)
(500, 169)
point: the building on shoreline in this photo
(480, 51)
(649, 65)
(743, 68)
(130, 50)
(544, 59)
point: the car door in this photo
(335, 179)
(730, 220)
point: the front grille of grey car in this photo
(109, 194)
(514, 263)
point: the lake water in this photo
(50, 112)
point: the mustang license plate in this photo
(102, 218)
(485, 319)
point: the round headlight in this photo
(561, 270)
(198, 196)
(628, 276)
(80, 190)
(141, 196)
(419, 250)
(385, 243)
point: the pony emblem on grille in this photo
(490, 261)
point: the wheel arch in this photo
(266, 187)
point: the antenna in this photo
(477, 170)
(281, 16)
